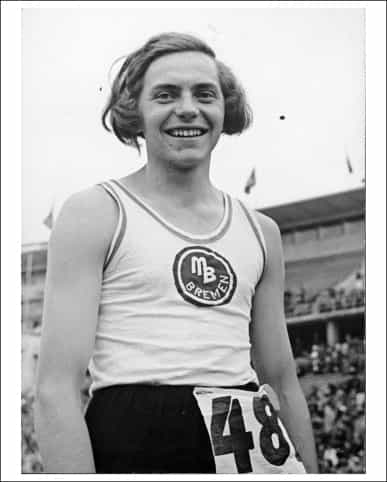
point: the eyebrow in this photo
(174, 87)
(164, 86)
(207, 85)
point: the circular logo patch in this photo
(203, 277)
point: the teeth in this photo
(186, 132)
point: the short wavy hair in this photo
(121, 115)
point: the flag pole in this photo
(349, 164)
(48, 221)
(251, 181)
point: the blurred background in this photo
(302, 163)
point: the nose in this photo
(186, 108)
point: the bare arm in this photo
(271, 350)
(76, 254)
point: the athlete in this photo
(171, 293)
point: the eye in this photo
(163, 96)
(206, 95)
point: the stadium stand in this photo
(323, 240)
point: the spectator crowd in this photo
(347, 358)
(338, 418)
(31, 461)
(299, 302)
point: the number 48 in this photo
(239, 442)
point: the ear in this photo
(140, 125)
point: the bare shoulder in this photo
(269, 227)
(274, 266)
(86, 220)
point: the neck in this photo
(186, 186)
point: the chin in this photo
(186, 162)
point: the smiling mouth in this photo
(184, 133)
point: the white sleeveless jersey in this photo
(175, 307)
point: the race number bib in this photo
(246, 433)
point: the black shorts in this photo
(148, 429)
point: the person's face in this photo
(182, 109)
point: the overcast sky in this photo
(304, 63)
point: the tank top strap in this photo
(121, 224)
(256, 227)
